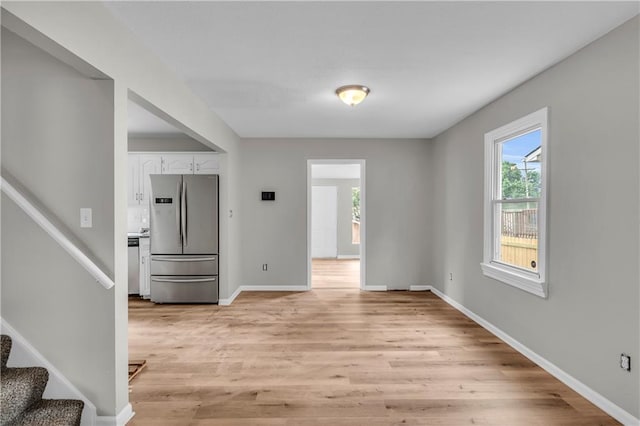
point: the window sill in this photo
(516, 279)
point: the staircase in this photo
(21, 400)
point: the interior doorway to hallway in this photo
(335, 224)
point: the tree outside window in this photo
(355, 215)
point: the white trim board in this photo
(121, 419)
(348, 256)
(591, 395)
(419, 288)
(375, 288)
(274, 288)
(293, 288)
(228, 301)
(23, 354)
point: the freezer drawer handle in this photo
(194, 280)
(193, 259)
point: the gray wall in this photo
(344, 207)
(276, 232)
(578, 308)
(591, 315)
(230, 222)
(57, 140)
(61, 29)
(165, 144)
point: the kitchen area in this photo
(173, 204)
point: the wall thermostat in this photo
(268, 196)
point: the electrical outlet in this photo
(264, 266)
(625, 362)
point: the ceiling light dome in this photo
(352, 94)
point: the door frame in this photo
(363, 215)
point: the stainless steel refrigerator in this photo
(183, 229)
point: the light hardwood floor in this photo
(336, 357)
(335, 273)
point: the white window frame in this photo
(531, 281)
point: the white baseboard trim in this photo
(274, 288)
(348, 256)
(597, 399)
(23, 354)
(419, 287)
(229, 301)
(375, 288)
(121, 419)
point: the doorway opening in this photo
(335, 224)
(157, 144)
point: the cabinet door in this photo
(149, 165)
(145, 269)
(133, 180)
(177, 164)
(206, 164)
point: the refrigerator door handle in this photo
(191, 280)
(183, 208)
(178, 212)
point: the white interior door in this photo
(324, 221)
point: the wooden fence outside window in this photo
(519, 238)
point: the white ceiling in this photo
(269, 69)
(335, 171)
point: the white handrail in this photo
(55, 233)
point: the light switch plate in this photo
(85, 217)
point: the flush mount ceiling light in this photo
(352, 94)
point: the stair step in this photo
(53, 412)
(20, 388)
(21, 402)
(5, 349)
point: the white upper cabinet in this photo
(138, 182)
(149, 165)
(177, 164)
(206, 164)
(133, 180)
(142, 165)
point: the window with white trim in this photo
(515, 203)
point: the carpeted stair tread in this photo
(52, 412)
(21, 402)
(5, 349)
(20, 388)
